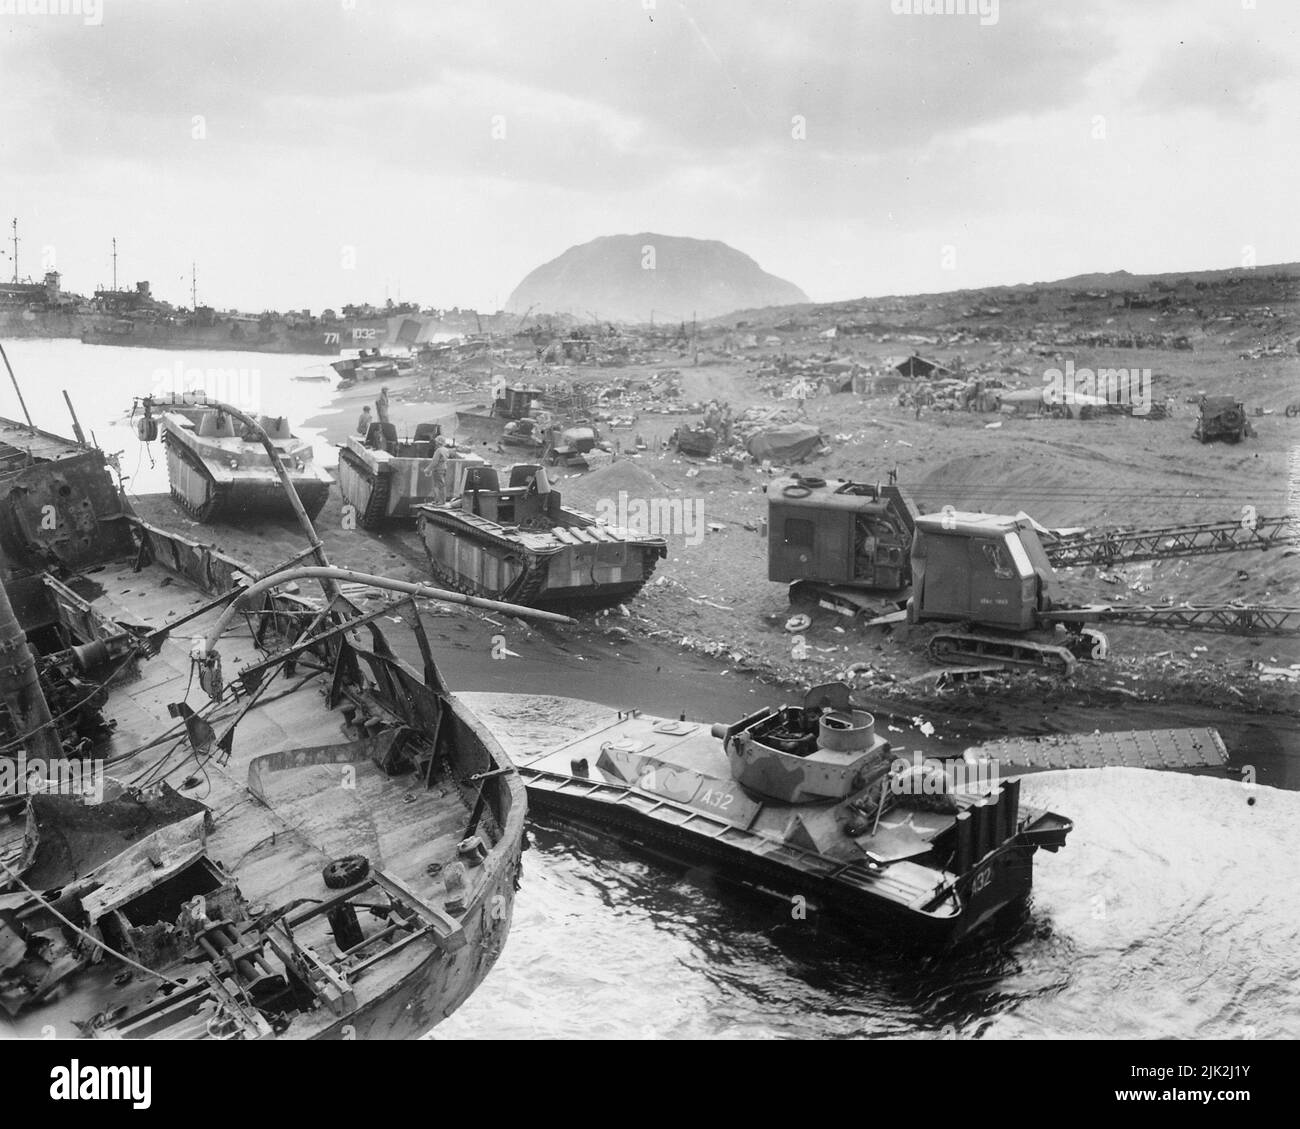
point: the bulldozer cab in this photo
(840, 532)
(979, 568)
(516, 401)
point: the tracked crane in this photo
(851, 543)
(842, 537)
(992, 575)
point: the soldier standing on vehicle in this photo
(381, 404)
(364, 421)
(438, 470)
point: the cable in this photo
(90, 936)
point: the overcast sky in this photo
(315, 152)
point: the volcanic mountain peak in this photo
(647, 276)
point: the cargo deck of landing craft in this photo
(328, 802)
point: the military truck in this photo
(1222, 417)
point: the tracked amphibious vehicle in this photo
(806, 801)
(384, 478)
(518, 542)
(217, 469)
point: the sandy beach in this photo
(711, 595)
(407, 406)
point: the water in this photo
(103, 380)
(1170, 913)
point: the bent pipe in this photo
(346, 574)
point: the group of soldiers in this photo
(437, 459)
(718, 416)
(381, 408)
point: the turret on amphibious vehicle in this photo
(519, 541)
(384, 478)
(217, 469)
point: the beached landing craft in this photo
(519, 543)
(217, 467)
(807, 801)
(325, 845)
(384, 478)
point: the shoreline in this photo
(337, 421)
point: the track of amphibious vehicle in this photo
(375, 512)
(221, 499)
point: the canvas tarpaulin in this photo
(792, 443)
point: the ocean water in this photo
(1173, 911)
(103, 381)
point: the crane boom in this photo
(1230, 619)
(1174, 541)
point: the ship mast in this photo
(194, 288)
(14, 225)
(115, 264)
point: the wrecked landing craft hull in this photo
(215, 883)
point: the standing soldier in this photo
(364, 421)
(381, 404)
(438, 470)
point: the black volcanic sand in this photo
(340, 419)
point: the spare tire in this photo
(809, 480)
(1231, 417)
(799, 491)
(345, 872)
